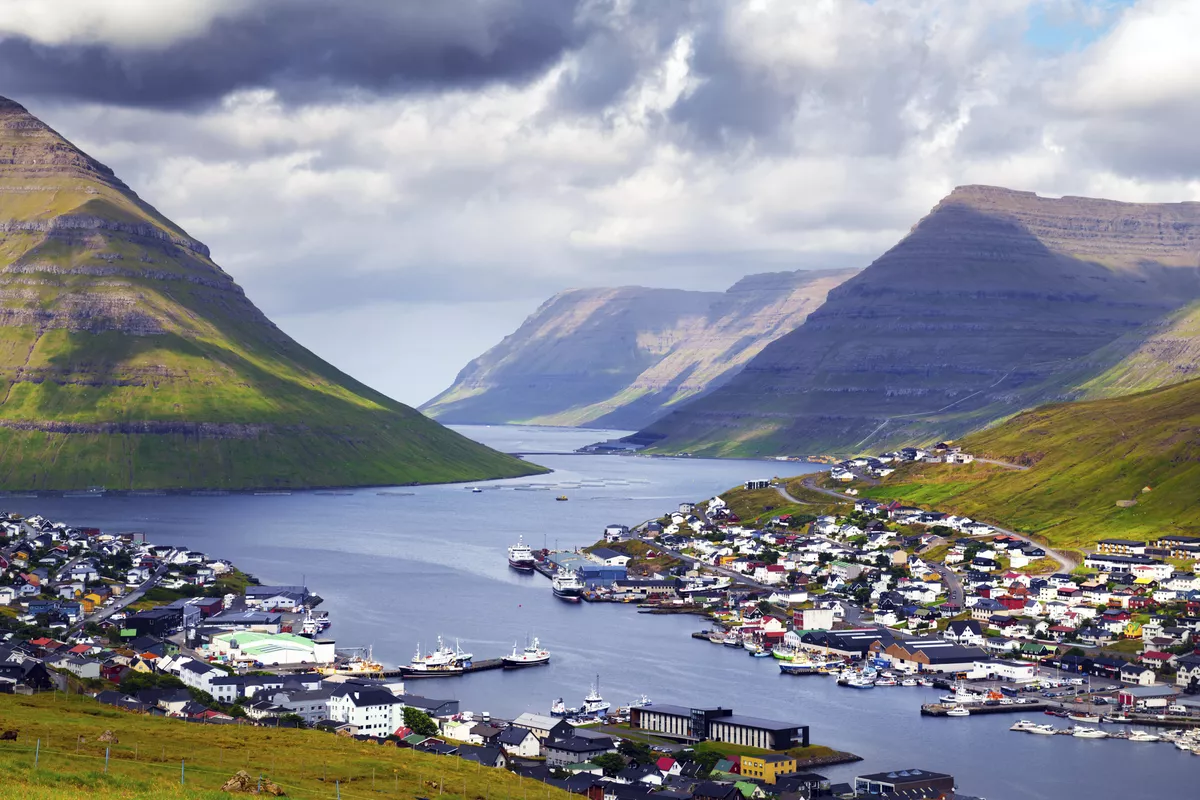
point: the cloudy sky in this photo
(398, 183)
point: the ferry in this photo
(567, 586)
(520, 556)
(593, 703)
(531, 656)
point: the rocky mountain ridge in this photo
(993, 302)
(622, 357)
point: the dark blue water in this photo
(405, 566)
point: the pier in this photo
(941, 709)
(478, 665)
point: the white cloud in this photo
(153, 24)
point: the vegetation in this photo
(419, 722)
(1083, 458)
(131, 360)
(145, 761)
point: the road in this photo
(1008, 464)
(126, 600)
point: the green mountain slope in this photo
(129, 359)
(620, 358)
(1084, 457)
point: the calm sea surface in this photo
(402, 566)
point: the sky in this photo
(399, 184)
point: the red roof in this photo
(776, 568)
(664, 764)
(42, 642)
(80, 649)
(1156, 655)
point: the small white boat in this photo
(909, 682)
(1042, 730)
(1143, 736)
(1080, 717)
(1022, 725)
(959, 711)
(1081, 732)
(886, 682)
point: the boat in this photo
(886, 681)
(1022, 725)
(309, 627)
(909, 682)
(1042, 730)
(91, 491)
(732, 639)
(593, 703)
(716, 637)
(798, 668)
(520, 556)
(761, 653)
(1143, 736)
(1081, 717)
(566, 585)
(531, 656)
(860, 682)
(1054, 712)
(476, 490)
(749, 644)
(697, 585)
(1081, 732)
(357, 665)
(783, 653)
(959, 711)
(559, 709)
(561, 497)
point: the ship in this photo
(798, 667)
(440, 663)
(520, 556)
(358, 665)
(561, 497)
(567, 586)
(531, 656)
(593, 703)
(560, 709)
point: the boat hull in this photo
(521, 566)
(447, 672)
(519, 664)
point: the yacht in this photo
(909, 682)
(886, 681)
(520, 556)
(1022, 725)
(566, 585)
(959, 711)
(532, 655)
(593, 703)
(1042, 730)
(1082, 732)
(1143, 736)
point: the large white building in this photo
(373, 711)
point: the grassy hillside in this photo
(128, 358)
(145, 763)
(1084, 458)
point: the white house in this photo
(371, 710)
(520, 742)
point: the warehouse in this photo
(719, 725)
(272, 649)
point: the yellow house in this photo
(767, 768)
(94, 599)
(87, 605)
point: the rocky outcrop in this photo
(620, 357)
(988, 306)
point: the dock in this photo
(940, 709)
(478, 665)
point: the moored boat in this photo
(1081, 717)
(959, 711)
(798, 668)
(1143, 736)
(533, 655)
(1082, 732)
(520, 556)
(566, 585)
(593, 703)
(1042, 730)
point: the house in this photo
(577, 749)
(768, 767)
(609, 557)
(710, 790)
(1188, 671)
(1137, 675)
(371, 710)
(968, 633)
(545, 728)
(519, 742)
(1147, 697)
(487, 756)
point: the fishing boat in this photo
(1081, 717)
(798, 668)
(561, 498)
(309, 627)
(1081, 732)
(531, 656)
(783, 652)
(732, 639)
(559, 709)
(959, 711)
(520, 556)
(357, 665)
(860, 682)
(716, 637)
(886, 681)
(566, 585)
(593, 703)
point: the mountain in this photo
(129, 359)
(995, 302)
(619, 358)
(1141, 450)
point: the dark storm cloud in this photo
(307, 49)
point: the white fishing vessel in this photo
(593, 703)
(520, 556)
(567, 586)
(560, 709)
(531, 656)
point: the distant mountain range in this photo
(129, 359)
(995, 302)
(621, 358)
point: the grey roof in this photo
(742, 721)
(581, 744)
(903, 776)
(514, 736)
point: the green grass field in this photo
(146, 761)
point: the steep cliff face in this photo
(991, 304)
(129, 359)
(621, 357)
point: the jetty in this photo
(943, 709)
(478, 665)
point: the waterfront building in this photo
(272, 649)
(908, 782)
(370, 710)
(718, 725)
(545, 728)
(260, 621)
